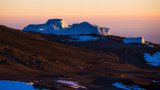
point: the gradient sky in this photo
(124, 17)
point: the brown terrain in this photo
(45, 58)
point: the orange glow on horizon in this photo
(124, 17)
(95, 8)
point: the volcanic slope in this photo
(30, 58)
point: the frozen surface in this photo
(153, 60)
(156, 81)
(59, 27)
(150, 46)
(103, 38)
(71, 84)
(133, 87)
(59, 85)
(134, 40)
(16, 85)
(31, 83)
(84, 38)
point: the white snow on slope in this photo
(84, 38)
(153, 60)
(71, 84)
(16, 85)
(133, 87)
(156, 81)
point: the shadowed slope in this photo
(28, 57)
(18, 43)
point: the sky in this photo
(130, 18)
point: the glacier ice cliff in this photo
(134, 40)
(59, 27)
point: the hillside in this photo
(32, 57)
(132, 53)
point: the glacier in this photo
(134, 40)
(59, 27)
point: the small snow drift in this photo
(59, 27)
(133, 87)
(78, 38)
(134, 40)
(71, 84)
(84, 38)
(155, 81)
(153, 60)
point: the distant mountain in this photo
(59, 27)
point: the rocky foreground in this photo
(91, 60)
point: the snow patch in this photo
(71, 84)
(151, 46)
(156, 81)
(55, 84)
(31, 83)
(133, 87)
(104, 38)
(134, 40)
(84, 38)
(80, 67)
(16, 85)
(153, 60)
